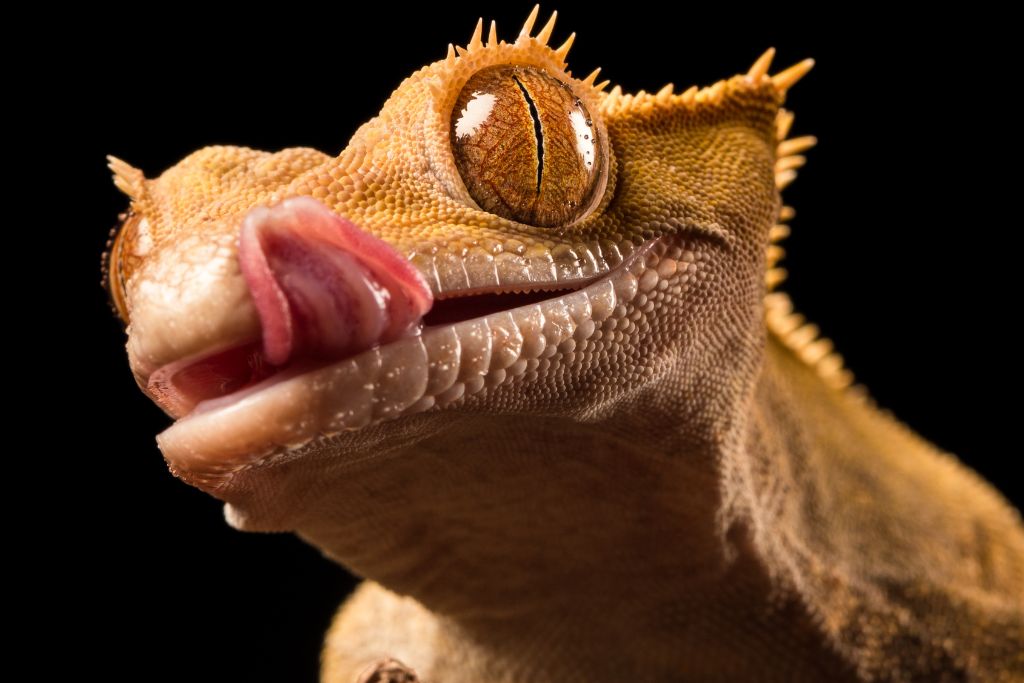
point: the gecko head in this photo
(502, 238)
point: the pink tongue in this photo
(323, 287)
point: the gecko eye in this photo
(526, 146)
(112, 268)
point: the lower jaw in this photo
(428, 371)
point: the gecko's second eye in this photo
(112, 267)
(526, 146)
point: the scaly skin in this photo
(662, 476)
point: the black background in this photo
(901, 251)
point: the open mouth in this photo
(395, 352)
(214, 379)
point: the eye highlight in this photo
(526, 146)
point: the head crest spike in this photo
(784, 178)
(602, 85)
(783, 122)
(127, 178)
(492, 35)
(760, 67)
(563, 51)
(530, 20)
(665, 91)
(545, 33)
(436, 89)
(778, 232)
(796, 145)
(790, 162)
(787, 79)
(450, 57)
(589, 80)
(775, 277)
(476, 42)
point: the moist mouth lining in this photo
(458, 309)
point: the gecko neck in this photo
(495, 516)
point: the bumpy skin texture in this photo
(662, 476)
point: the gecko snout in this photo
(299, 286)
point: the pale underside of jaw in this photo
(411, 368)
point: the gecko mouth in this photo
(350, 336)
(212, 379)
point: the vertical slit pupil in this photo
(538, 132)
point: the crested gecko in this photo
(517, 355)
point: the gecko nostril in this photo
(388, 670)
